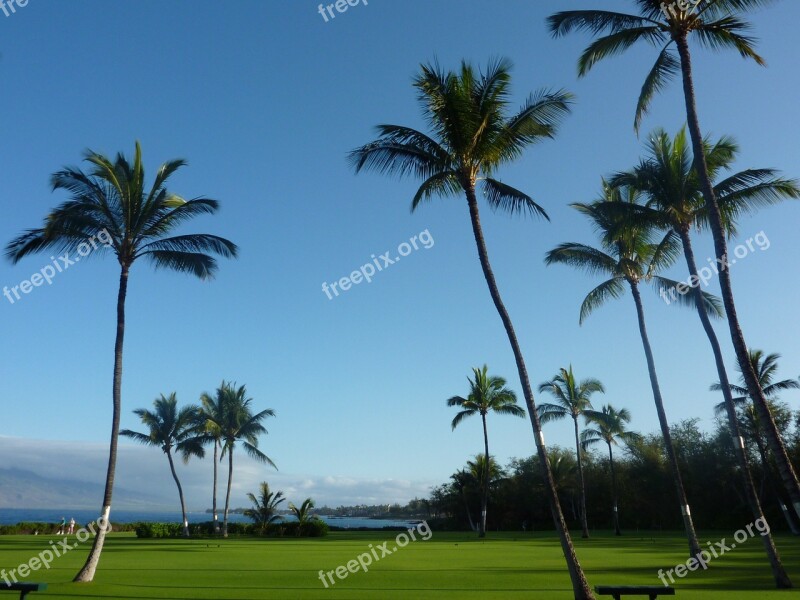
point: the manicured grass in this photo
(449, 565)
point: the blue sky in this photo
(265, 99)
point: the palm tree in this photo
(239, 424)
(631, 256)
(564, 469)
(484, 473)
(110, 202)
(716, 24)
(303, 514)
(461, 480)
(211, 413)
(472, 138)
(766, 367)
(672, 188)
(609, 426)
(170, 428)
(265, 507)
(486, 394)
(572, 400)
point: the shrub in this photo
(312, 528)
(158, 530)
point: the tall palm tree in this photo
(239, 424)
(472, 137)
(717, 24)
(674, 201)
(111, 202)
(170, 428)
(572, 400)
(486, 394)
(609, 425)
(630, 255)
(265, 507)
(766, 367)
(211, 413)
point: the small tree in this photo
(265, 507)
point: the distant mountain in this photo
(26, 489)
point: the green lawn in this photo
(449, 565)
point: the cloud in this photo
(146, 471)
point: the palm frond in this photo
(611, 289)
(667, 65)
(510, 200)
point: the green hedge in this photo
(314, 528)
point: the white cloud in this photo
(146, 471)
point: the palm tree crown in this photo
(265, 506)
(629, 253)
(715, 24)
(169, 427)
(240, 424)
(607, 425)
(572, 398)
(303, 512)
(487, 394)
(112, 201)
(472, 135)
(672, 189)
(766, 368)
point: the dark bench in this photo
(23, 588)
(653, 591)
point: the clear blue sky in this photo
(264, 99)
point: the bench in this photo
(653, 591)
(23, 588)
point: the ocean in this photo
(11, 516)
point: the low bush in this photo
(313, 528)
(158, 530)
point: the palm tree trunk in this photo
(228, 493)
(778, 572)
(466, 507)
(580, 586)
(581, 482)
(180, 493)
(214, 490)
(774, 438)
(774, 486)
(485, 486)
(614, 490)
(86, 573)
(688, 524)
